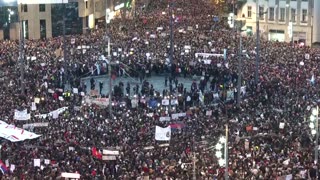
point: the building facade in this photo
(284, 20)
(36, 20)
(45, 20)
(92, 11)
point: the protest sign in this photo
(21, 115)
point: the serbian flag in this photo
(3, 168)
(177, 125)
(96, 153)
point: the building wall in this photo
(33, 15)
(268, 25)
(1, 35)
(14, 31)
(316, 21)
(93, 9)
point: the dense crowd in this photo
(260, 145)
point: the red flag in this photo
(96, 153)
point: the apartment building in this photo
(284, 20)
(92, 11)
(36, 20)
(42, 19)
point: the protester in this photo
(269, 134)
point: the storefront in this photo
(276, 35)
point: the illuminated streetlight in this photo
(218, 146)
(314, 112)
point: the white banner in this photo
(165, 102)
(54, 113)
(110, 152)
(70, 175)
(33, 106)
(97, 101)
(15, 134)
(35, 125)
(206, 55)
(174, 101)
(164, 118)
(109, 158)
(177, 115)
(134, 103)
(230, 95)
(163, 134)
(209, 113)
(21, 115)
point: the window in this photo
(249, 12)
(25, 8)
(271, 13)
(304, 15)
(43, 29)
(282, 14)
(261, 12)
(86, 4)
(293, 15)
(42, 7)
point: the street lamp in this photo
(223, 161)
(290, 26)
(314, 126)
(258, 14)
(109, 16)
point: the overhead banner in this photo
(15, 134)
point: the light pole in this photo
(21, 52)
(64, 40)
(226, 155)
(258, 14)
(171, 31)
(256, 75)
(171, 46)
(194, 160)
(223, 161)
(239, 25)
(108, 18)
(290, 26)
(314, 126)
